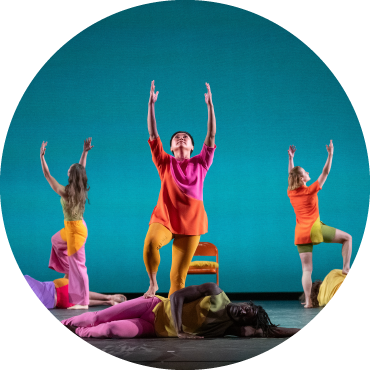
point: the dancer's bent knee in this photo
(157, 236)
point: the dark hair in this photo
(76, 190)
(314, 293)
(184, 132)
(262, 320)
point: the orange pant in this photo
(183, 249)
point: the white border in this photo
(32, 31)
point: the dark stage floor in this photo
(172, 353)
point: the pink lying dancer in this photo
(68, 244)
(194, 312)
(54, 294)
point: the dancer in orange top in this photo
(179, 213)
(310, 230)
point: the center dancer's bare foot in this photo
(78, 307)
(345, 271)
(151, 291)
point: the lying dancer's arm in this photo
(291, 152)
(327, 167)
(87, 147)
(186, 295)
(211, 125)
(249, 331)
(59, 189)
(152, 124)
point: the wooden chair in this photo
(205, 249)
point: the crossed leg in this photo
(346, 240)
(130, 319)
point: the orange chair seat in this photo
(203, 271)
(205, 249)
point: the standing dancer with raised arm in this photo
(310, 230)
(68, 244)
(179, 213)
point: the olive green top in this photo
(67, 217)
(207, 316)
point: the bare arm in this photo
(291, 152)
(59, 189)
(211, 124)
(87, 147)
(249, 331)
(325, 172)
(185, 295)
(152, 124)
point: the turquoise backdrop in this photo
(269, 91)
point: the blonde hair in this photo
(294, 179)
(76, 190)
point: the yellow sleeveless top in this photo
(67, 217)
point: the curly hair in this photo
(314, 293)
(76, 190)
(294, 179)
(261, 321)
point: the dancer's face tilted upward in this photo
(305, 176)
(242, 314)
(182, 143)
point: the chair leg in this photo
(218, 283)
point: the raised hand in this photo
(208, 96)
(153, 95)
(87, 144)
(43, 148)
(291, 151)
(330, 148)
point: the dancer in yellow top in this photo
(323, 291)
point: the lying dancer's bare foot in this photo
(115, 299)
(78, 307)
(118, 298)
(151, 291)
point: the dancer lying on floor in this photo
(54, 294)
(179, 213)
(194, 312)
(68, 244)
(323, 291)
(310, 230)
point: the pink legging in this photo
(130, 319)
